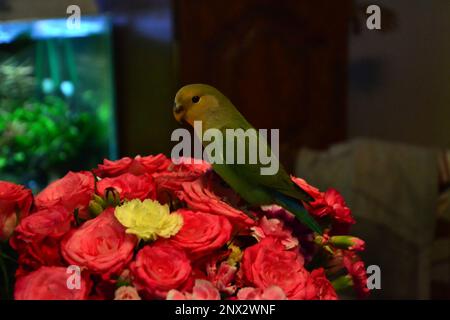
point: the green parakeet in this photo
(200, 102)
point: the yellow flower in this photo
(148, 219)
(235, 255)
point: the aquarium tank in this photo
(56, 98)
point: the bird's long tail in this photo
(294, 206)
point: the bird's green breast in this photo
(250, 192)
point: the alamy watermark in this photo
(373, 277)
(235, 146)
(373, 21)
(74, 19)
(74, 279)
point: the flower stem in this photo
(5, 275)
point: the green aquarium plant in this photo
(56, 99)
(41, 137)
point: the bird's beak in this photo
(178, 112)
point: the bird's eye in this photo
(195, 99)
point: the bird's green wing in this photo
(280, 181)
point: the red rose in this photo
(50, 283)
(137, 166)
(73, 191)
(202, 233)
(100, 245)
(176, 174)
(199, 197)
(324, 289)
(52, 222)
(37, 237)
(159, 268)
(129, 186)
(15, 203)
(267, 263)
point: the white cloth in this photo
(392, 190)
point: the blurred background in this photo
(364, 111)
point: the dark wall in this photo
(145, 74)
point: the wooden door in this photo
(282, 63)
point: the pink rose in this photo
(202, 290)
(199, 197)
(201, 232)
(126, 293)
(324, 289)
(269, 293)
(15, 203)
(50, 283)
(73, 191)
(274, 228)
(137, 166)
(222, 277)
(99, 245)
(129, 186)
(37, 237)
(267, 263)
(160, 267)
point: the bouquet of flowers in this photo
(147, 228)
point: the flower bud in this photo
(342, 283)
(99, 200)
(347, 242)
(9, 225)
(112, 197)
(323, 241)
(94, 208)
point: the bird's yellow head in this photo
(197, 102)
